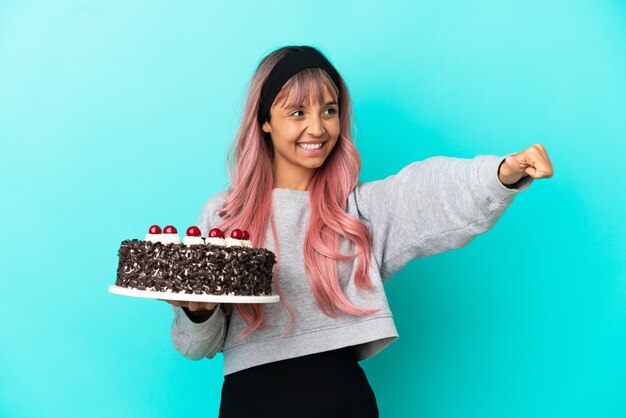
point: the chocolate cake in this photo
(211, 265)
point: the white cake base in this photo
(192, 297)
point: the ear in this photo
(266, 127)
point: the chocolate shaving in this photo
(198, 269)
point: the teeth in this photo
(310, 147)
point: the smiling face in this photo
(303, 131)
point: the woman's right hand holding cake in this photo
(197, 312)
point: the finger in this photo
(193, 306)
(543, 154)
(537, 163)
(537, 173)
(548, 169)
(540, 148)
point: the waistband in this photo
(308, 369)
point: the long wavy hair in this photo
(248, 202)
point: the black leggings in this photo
(329, 384)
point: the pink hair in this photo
(248, 203)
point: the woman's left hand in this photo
(533, 162)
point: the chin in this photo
(315, 164)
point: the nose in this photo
(316, 125)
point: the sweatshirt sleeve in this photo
(196, 341)
(432, 206)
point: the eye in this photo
(297, 111)
(331, 111)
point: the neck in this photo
(296, 178)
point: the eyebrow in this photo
(296, 107)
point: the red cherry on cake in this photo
(245, 235)
(216, 233)
(236, 234)
(193, 231)
(154, 229)
(169, 230)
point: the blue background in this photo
(116, 115)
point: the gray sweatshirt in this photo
(428, 207)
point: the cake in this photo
(214, 265)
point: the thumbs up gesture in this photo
(533, 162)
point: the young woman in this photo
(294, 187)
